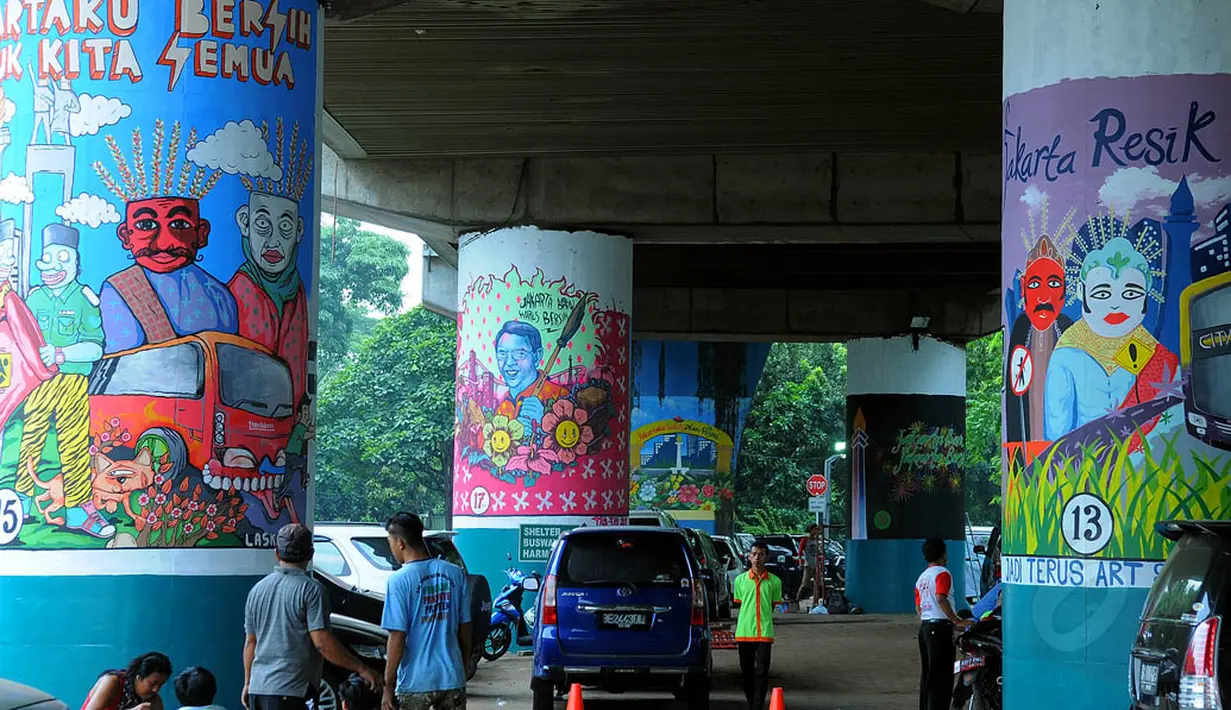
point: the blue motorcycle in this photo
(507, 614)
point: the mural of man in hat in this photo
(72, 326)
(21, 368)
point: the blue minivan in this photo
(622, 609)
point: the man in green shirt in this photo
(756, 593)
(69, 317)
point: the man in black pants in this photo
(936, 649)
(756, 593)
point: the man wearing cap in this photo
(21, 369)
(287, 625)
(69, 318)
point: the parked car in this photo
(652, 518)
(989, 573)
(737, 563)
(15, 696)
(718, 593)
(354, 562)
(622, 609)
(784, 562)
(1181, 657)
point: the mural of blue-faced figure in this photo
(1108, 360)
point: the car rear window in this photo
(376, 550)
(1183, 582)
(614, 560)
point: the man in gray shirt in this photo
(287, 625)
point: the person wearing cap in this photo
(21, 369)
(72, 326)
(286, 622)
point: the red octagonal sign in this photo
(817, 485)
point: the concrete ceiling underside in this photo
(468, 78)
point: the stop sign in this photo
(817, 485)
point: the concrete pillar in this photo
(158, 222)
(543, 362)
(1117, 136)
(906, 422)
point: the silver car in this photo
(15, 696)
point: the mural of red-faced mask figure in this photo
(1116, 265)
(158, 232)
(155, 351)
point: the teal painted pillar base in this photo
(881, 574)
(1076, 638)
(486, 551)
(59, 633)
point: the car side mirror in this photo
(530, 584)
(980, 549)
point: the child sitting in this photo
(195, 689)
(356, 695)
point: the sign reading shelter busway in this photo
(534, 541)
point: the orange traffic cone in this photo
(574, 698)
(776, 700)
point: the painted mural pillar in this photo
(158, 231)
(906, 426)
(543, 389)
(690, 402)
(1116, 268)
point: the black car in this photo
(356, 616)
(989, 573)
(1180, 658)
(784, 562)
(714, 571)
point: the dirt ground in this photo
(822, 663)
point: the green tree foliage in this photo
(984, 387)
(385, 422)
(797, 415)
(361, 271)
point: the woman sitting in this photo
(133, 689)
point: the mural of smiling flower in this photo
(567, 432)
(499, 436)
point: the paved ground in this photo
(823, 663)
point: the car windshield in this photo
(619, 559)
(254, 382)
(1180, 590)
(174, 371)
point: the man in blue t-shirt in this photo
(427, 609)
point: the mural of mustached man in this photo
(1036, 330)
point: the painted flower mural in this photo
(565, 431)
(542, 386)
(499, 437)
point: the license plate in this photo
(1148, 680)
(624, 620)
(968, 664)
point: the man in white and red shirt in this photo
(936, 649)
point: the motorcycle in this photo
(507, 614)
(977, 670)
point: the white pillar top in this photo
(893, 366)
(1048, 41)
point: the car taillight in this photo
(1198, 682)
(549, 602)
(698, 603)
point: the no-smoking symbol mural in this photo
(1021, 370)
